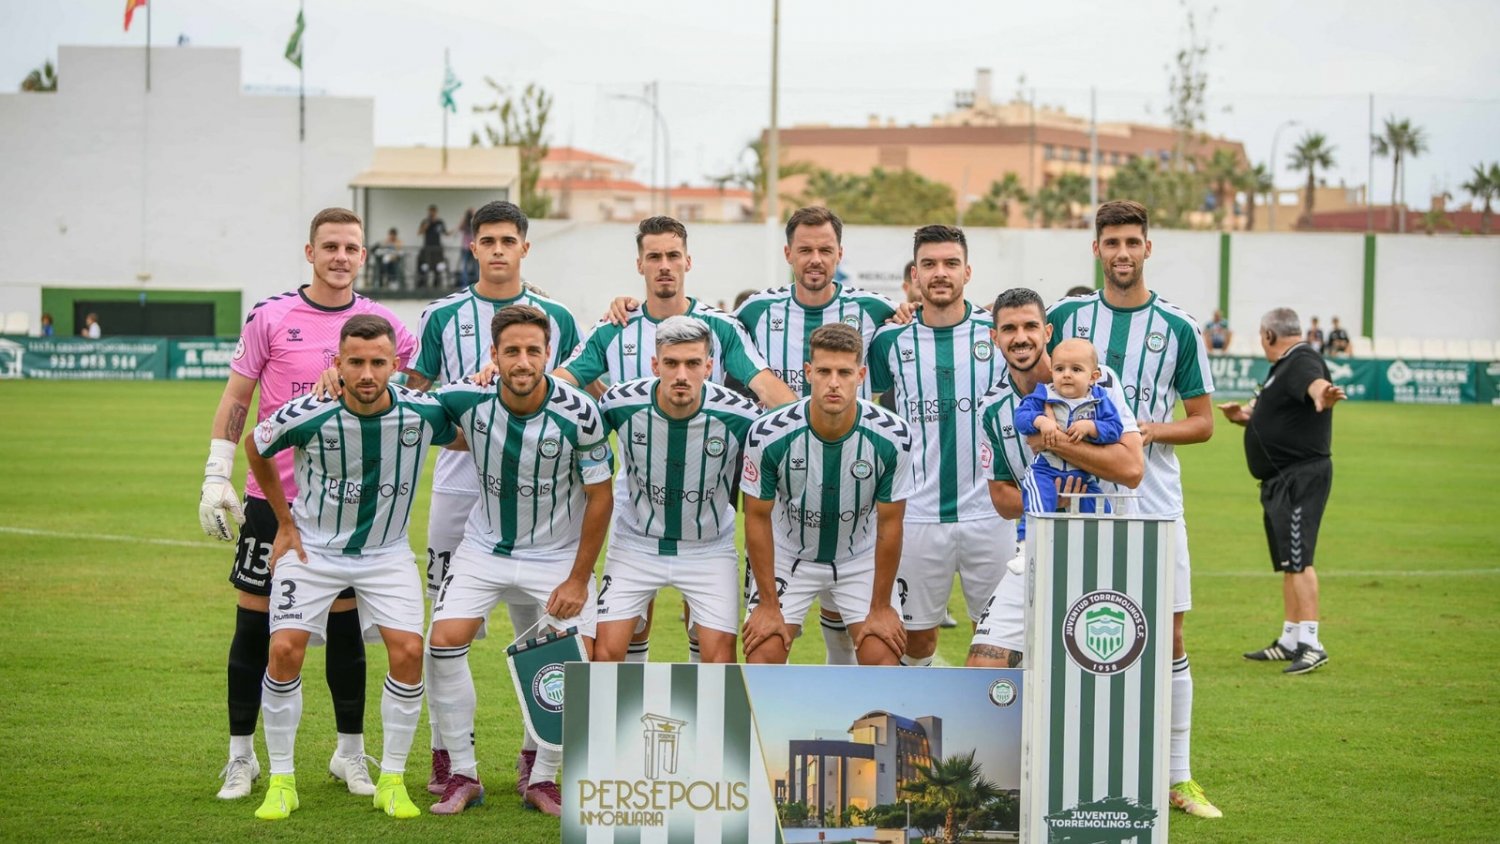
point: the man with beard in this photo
(939, 365)
(1158, 351)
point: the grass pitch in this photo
(115, 618)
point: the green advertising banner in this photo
(1428, 382)
(1487, 390)
(199, 359)
(75, 358)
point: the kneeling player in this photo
(359, 460)
(544, 463)
(680, 444)
(825, 483)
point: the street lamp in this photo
(1275, 195)
(666, 140)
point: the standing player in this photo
(455, 343)
(1021, 333)
(825, 484)
(347, 529)
(680, 443)
(543, 458)
(618, 349)
(780, 321)
(287, 342)
(939, 365)
(1158, 351)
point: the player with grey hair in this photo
(680, 440)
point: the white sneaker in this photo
(354, 771)
(238, 776)
(1016, 565)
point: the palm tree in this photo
(753, 177)
(1254, 181)
(1224, 172)
(1312, 152)
(955, 784)
(1484, 185)
(1400, 139)
(41, 80)
(993, 209)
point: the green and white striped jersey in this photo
(780, 326)
(356, 475)
(1004, 456)
(1158, 351)
(455, 332)
(532, 468)
(680, 472)
(618, 353)
(826, 492)
(938, 376)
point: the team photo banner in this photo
(780, 753)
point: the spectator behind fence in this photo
(432, 267)
(1288, 446)
(1315, 336)
(468, 265)
(47, 327)
(91, 327)
(1339, 345)
(1217, 335)
(388, 259)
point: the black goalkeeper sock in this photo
(345, 668)
(248, 652)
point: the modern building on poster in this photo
(881, 755)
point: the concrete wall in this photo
(194, 185)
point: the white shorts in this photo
(1003, 622)
(705, 579)
(975, 550)
(1182, 583)
(478, 580)
(445, 530)
(386, 586)
(846, 587)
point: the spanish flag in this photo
(130, 7)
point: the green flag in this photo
(450, 84)
(294, 45)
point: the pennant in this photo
(450, 84)
(130, 7)
(294, 45)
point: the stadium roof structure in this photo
(484, 168)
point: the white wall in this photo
(1318, 275)
(1441, 286)
(195, 183)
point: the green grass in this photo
(112, 649)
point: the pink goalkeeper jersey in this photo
(286, 344)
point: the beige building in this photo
(592, 188)
(980, 141)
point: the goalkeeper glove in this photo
(219, 504)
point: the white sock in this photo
(242, 747)
(437, 734)
(837, 641)
(352, 745)
(638, 652)
(527, 742)
(1309, 635)
(400, 708)
(453, 705)
(547, 763)
(281, 712)
(1182, 720)
(915, 661)
(1288, 638)
(695, 657)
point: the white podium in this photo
(1097, 710)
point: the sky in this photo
(845, 60)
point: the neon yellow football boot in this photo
(391, 797)
(281, 798)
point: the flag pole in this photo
(444, 108)
(301, 93)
